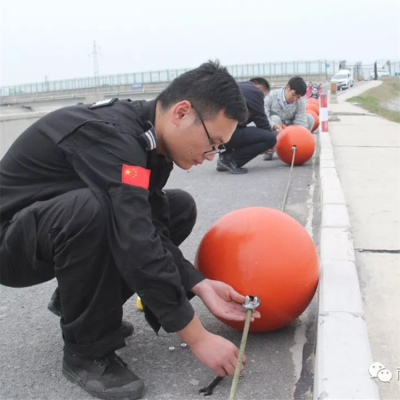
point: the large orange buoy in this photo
(312, 107)
(262, 252)
(311, 100)
(316, 119)
(295, 135)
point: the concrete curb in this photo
(343, 353)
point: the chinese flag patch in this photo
(135, 176)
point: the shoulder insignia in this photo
(103, 103)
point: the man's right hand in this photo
(218, 354)
(213, 351)
(277, 127)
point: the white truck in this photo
(343, 78)
(380, 73)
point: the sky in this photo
(54, 38)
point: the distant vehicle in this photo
(343, 78)
(381, 74)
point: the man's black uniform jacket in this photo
(109, 147)
(254, 98)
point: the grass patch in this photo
(372, 99)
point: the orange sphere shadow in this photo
(262, 252)
(295, 135)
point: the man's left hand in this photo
(222, 300)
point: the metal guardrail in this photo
(136, 80)
(105, 92)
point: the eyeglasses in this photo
(215, 150)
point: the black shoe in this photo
(220, 167)
(54, 306)
(231, 166)
(268, 156)
(105, 378)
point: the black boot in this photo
(105, 378)
(226, 163)
(54, 306)
(220, 166)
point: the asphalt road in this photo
(280, 363)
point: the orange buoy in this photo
(295, 135)
(311, 100)
(312, 107)
(316, 119)
(262, 252)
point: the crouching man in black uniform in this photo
(82, 201)
(248, 142)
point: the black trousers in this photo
(65, 238)
(247, 143)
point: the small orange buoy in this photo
(312, 107)
(316, 119)
(311, 100)
(295, 135)
(262, 252)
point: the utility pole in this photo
(95, 54)
(326, 70)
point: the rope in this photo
(235, 381)
(290, 176)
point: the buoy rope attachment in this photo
(250, 304)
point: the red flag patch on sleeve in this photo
(135, 176)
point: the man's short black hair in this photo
(298, 84)
(209, 88)
(262, 82)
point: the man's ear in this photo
(180, 110)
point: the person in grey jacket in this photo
(287, 106)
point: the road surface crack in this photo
(383, 251)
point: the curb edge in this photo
(343, 351)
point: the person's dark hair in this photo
(209, 88)
(262, 82)
(298, 84)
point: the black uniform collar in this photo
(149, 138)
(149, 111)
